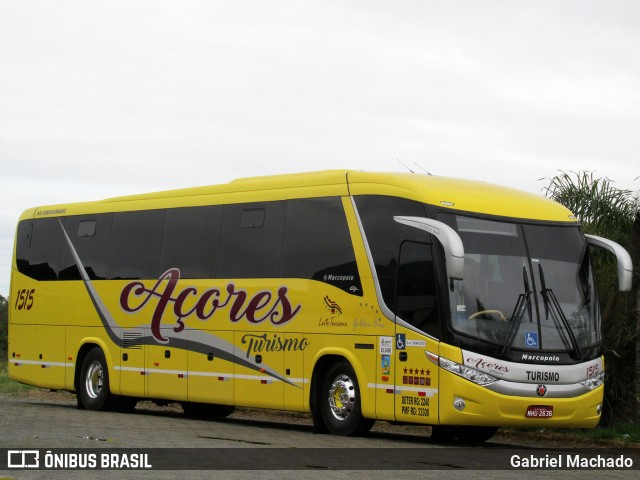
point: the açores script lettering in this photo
(257, 308)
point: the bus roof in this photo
(460, 194)
(447, 193)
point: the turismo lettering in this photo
(543, 376)
(275, 343)
(262, 306)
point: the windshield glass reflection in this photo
(528, 287)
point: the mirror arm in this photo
(625, 264)
(448, 238)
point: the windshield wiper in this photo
(552, 306)
(522, 305)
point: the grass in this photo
(620, 435)
(627, 433)
(8, 386)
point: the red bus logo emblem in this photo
(541, 390)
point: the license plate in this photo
(539, 411)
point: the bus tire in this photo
(93, 386)
(340, 402)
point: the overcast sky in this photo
(99, 99)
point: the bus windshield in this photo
(525, 287)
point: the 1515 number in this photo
(24, 299)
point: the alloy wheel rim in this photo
(94, 380)
(342, 397)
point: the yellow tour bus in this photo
(353, 296)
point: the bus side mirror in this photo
(448, 238)
(625, 264)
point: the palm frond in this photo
(598, 205)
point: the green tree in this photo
(614, 213)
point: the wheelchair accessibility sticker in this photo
(531, 339)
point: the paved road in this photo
(247, 441)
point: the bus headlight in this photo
(593, 382)
(469, 373)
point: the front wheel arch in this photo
(336, 402)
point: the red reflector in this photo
(180, 375)
(422, 394)
(389, 390)
(264, 382)
(143, 373)
(221, 379)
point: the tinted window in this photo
(136, 240)
(38, 249)
(90, 237)
(417, 287)
(385, 236)
(317, 244)
(251, 242)
(191, 239)
(23, 245)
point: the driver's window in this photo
(416, 290)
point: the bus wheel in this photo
(340, 404)
(466, 434)
(93, 388)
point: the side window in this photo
(417, 294)
(251, 240)
(385, 236)
(136, 240)
(38, 249)
(191, 240)
(90, 237)
(317, 244)
(23, 245)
